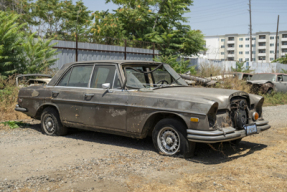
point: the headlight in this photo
(211, 115)
(255, 116)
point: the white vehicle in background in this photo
(24, 79)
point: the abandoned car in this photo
(268, 82)
(32, 82)
(141, 98)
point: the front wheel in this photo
(170, 138)
(51, 123)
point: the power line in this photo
(216, 18)
(250, 28)
(210, 5)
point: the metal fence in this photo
(256, 67)
(70, 51)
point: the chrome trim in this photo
(21, 109)
(259, 123)
(125, 105)
(226, 130)
(213, 137)
(91, 75)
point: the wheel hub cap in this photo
(168, 141)
(49, 124)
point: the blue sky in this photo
(219, 17)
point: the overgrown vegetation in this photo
(178, 64)
(240, 67)
(282, 60)
(19, 51)
(8, 100)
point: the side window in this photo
(285, 78)
(78, 76)
(279, 78)
(103, 74)
(64, 81)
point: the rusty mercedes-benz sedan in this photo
(141, 98)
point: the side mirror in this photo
(107, 87)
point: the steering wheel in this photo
(162, 81)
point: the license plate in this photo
(250, 129)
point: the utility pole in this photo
(276, 38)
(250, 28)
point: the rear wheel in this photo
(170, 138)
(51, 123)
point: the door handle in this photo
(89, 96)
(55, 93)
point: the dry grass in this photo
(235, 84)
(263, 170)
(275, 99)
(8, 100)
(208, 69)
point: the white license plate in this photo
(250, 129)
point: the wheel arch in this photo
(44, 106)
(155, 117)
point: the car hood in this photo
(259, 82)
(221, 96)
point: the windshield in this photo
(152, 76)
(268, 77)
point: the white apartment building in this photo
(236, 47)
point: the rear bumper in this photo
(20, 109)
(225, 134)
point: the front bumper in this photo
(225, 134)
(21, 109)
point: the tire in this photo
(51, 123)
(270, 91)
(170, 138)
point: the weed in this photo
(14, 124)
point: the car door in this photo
(69, 93)
(280, 85)
(285, 83)
(105, 109)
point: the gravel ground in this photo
(90, 161)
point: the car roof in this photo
(67, 65)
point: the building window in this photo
(261, 58)
(283, 51)
(240, 52)
(222, 40)
(253, 52)
(271, 44)
(246, 59)
(222, 53)
(246, 45)
(240, 39)
(262, 44)
(222, 46)
(271, 59)
(271, 51)
(246, 39)
(253, 45)
(271, 37)
(240, 59)
(284, 35)
(240, 45)
(253, 59)
(230, 38)
(253, 38)
(262, 51)
(262, 36)
(284, 43)
(246, 52)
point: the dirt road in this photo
(89, 161)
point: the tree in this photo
(19, 51)
(158, 21)
(282, 60)
(11, 38)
